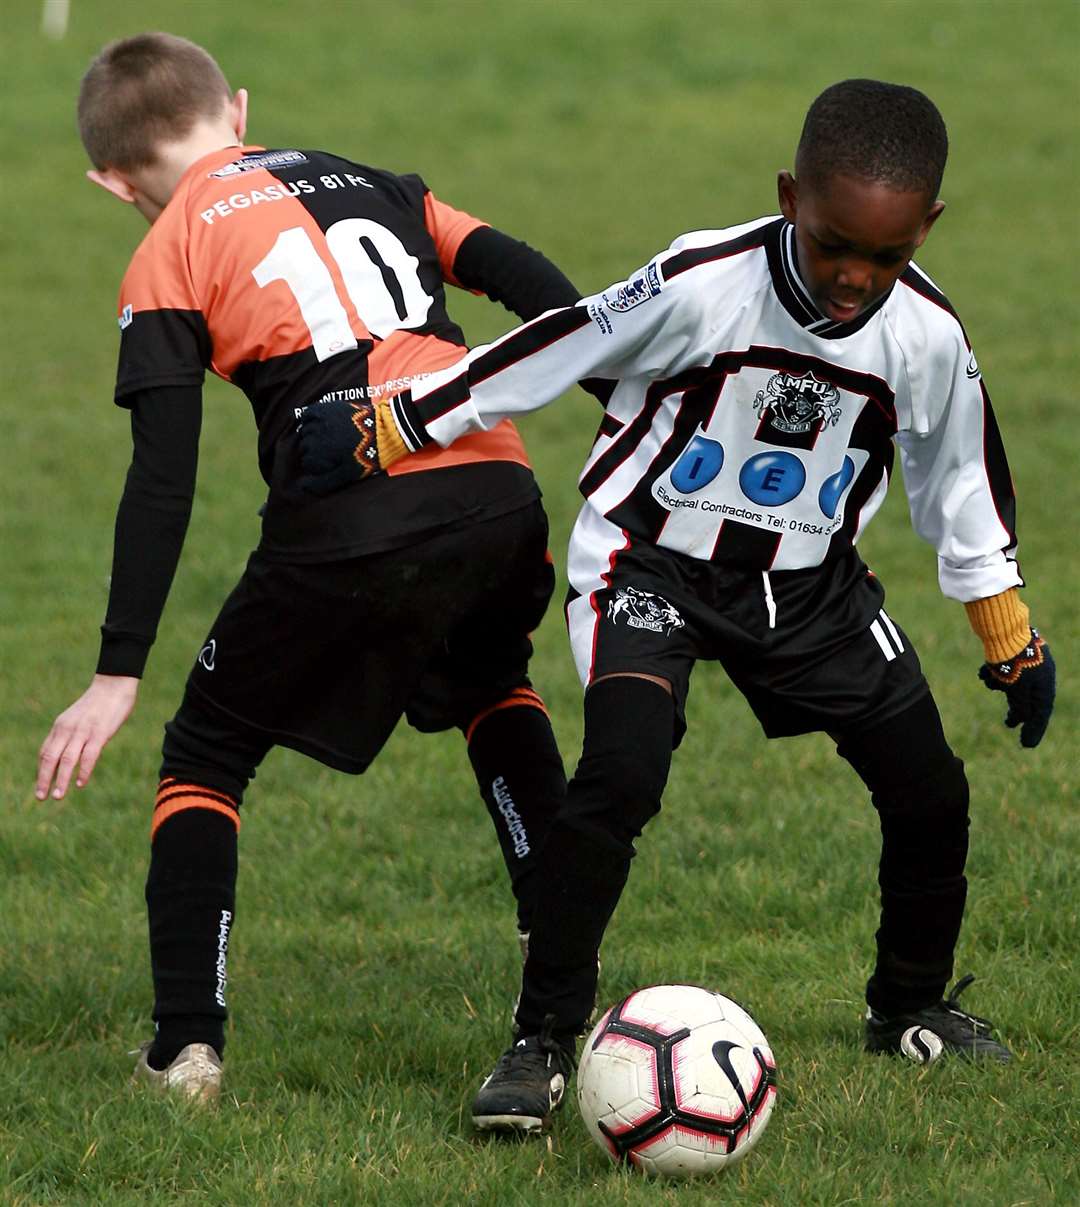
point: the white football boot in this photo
(195, 1074)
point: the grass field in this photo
(373, 963)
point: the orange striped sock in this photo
(518, 698)
(174, 796)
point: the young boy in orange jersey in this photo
(301, 277)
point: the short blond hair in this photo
(143, 91)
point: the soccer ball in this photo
(676, 1080)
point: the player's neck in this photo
(153, 186)
(158, 181)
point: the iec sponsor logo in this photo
(772, 479)
(698, 464)
(832, 489)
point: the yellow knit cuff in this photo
(391, 446)
(1002, 622)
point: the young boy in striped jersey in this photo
(759, 379)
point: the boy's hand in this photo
(1029, 682)
(343, 442)
(79, 734)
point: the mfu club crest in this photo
(644, 610)
(794, 404)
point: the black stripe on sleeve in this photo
(610, 426)
(601, 388)
(997, 469)
(408, 421)
(527, 341)
(915, 281)
(162, 348)
(518, 346)
(694, 257)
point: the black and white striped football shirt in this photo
(742, 425)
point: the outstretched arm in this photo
(151, 522)
(645, 326)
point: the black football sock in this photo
(922, 804)
(191, 900)
(924, 842)
(520, 774)
(629, 730)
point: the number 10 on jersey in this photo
(380, 277)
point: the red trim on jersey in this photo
(606, 578)
(655, 402)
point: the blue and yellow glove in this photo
(1018, 663)
(344, 442)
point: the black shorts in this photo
(325, 658)
(809, 649)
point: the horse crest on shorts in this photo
(644, 610)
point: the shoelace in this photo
(538, 1051)
(950, 1003)
(546, 1051)
(523, 1055)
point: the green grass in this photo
(373, 962)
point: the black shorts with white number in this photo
(326, 658)
(809, 649)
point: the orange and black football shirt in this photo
(298, 276)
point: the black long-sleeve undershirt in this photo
(512, 273)
(151, 522)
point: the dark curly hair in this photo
(889, 133)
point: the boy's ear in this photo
(116, 184)
(932, 216)
(787, 193)
(238, 108)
